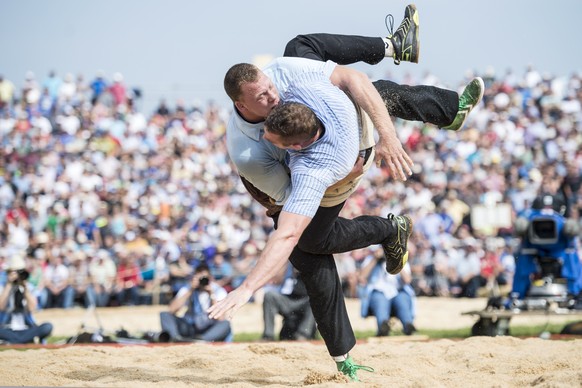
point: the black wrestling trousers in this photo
(327, 234)
(428, 104)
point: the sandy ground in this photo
(432, 313)
(398, 361)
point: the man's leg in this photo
(307, 323)
(218, 331)
(402, 45)
(23, 336)
(328, 233)
(402, 308)
(43, 330)
(270, 310)
(168, 324)
(428, 104)
(341, 49)
(326, 298)
(68, 296)
(380, 308)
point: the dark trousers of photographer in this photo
(201, 328)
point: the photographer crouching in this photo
(195, 324)
(17, 303)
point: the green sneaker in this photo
(405, 40)
(396, 245)
(350, 369)
(471, 96)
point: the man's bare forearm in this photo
(363, 92)
(277, 251)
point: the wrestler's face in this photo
(295, 144)
(276, 140)
(258, 98)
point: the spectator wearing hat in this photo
(17, 303)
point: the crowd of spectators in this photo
(112, 206)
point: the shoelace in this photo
(351, 369)
(389, 19)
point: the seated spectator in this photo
(80, 281)
(128, 280)
(155, 275)
(57, 291)
(103, 273)
(385, 295)
(17, 303)
(465, 270)
(194, 324)
(292, 302)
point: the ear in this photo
(295, 147)
(240, 106)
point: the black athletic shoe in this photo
(405, 40)
(396, 246)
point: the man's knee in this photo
(166, 317)
(45, 330)
(302, 46)
(292, 47)
(270, 298)
(307, 243)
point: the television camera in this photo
(548, 272)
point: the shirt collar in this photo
(252, 130)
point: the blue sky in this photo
(182, 48)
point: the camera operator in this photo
(197, 297)
(16, 306)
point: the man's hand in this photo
(397, 160)
(227, 307)
(367, 97)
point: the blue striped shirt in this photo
(332, 156)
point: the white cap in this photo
(16, 262)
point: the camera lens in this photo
(23, 275)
